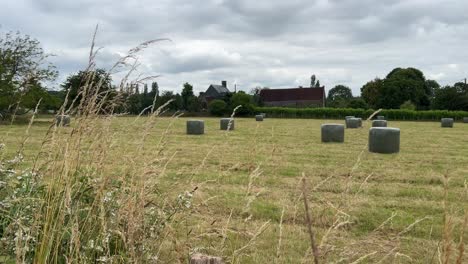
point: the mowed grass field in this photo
(248, 204)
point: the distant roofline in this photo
(321, 87)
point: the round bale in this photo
(62, 120)
(379, 123)
(195, 127)
(259, 117)
(353, 122)
(333, 133)
(380, 117)
(226, 124)
(360, 121)
(384, 140)
(446, 122)
(465, 120)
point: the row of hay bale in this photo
(382, 139)
(197, 127)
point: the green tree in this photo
(187, 92)
(431, 87)
(23, 69)
(194, 104)
(357, 103)
(339, 96)
(243, 99)
(401, 85)
(217, 107)
(154, 89)
(451, 98)
(86, 84)
(371, 91)
(317, 85)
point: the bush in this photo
(243, 99)
(408, 105)
(217, 107)
(339, 113)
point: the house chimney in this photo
(224, 83)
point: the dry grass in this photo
(367, 208)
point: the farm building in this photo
(294, 97)
(215, 91)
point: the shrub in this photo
(408, 105)
(340, 113)
(217, 107)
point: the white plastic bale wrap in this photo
(446, 122)
(465, 120)
(226, 123)
(62, 120)
(347, 117)
(384, 140)
(353, 122)
(379, 123)
(195, 127)
(259, 118)
(333, 133)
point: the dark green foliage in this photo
(187, 92)
(400, 85)
(451, 97)
(370, 92)
(97, 81)
(358, 103)
(217, 107)
(241, 98)
(340, 113)
(339, 96)
(22, 71)
(194, 104)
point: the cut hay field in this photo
(247, 205)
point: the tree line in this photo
(24, 71)
(402, 88)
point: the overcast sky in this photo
(274, 43)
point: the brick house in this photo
(294, 97)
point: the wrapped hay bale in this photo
(62, 120)
(226, 124)
(195, 127)
(347, 117)
(384, 140)
(259, 118)
(379, 123)
(360, 121)
(446, 122)
(465, 120)
(353, 122)
(333, 133)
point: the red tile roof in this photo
(293, 94)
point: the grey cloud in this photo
(264, 42)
